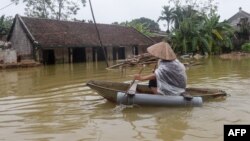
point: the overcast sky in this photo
(109, 11)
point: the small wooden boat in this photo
(111, 91)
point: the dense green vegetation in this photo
(193, 26)
(150, 24)
(144, 25)
(246, 47)
(195, 30)
(5, 24)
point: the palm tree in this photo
(187, 36)
(177, 16)
(167, 15)
(180, 13)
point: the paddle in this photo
(132, 88)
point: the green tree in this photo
(196, 31)
(246, 47)
(196, 27)
(142, 28)
(150, 24)
(220, 33)
(143, 25)
(204, 6)
(167, 15)
(188, 36)
(55, 9)
(126, 23)
(177, 16)
(5, 24)
(187, 8)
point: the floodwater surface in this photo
(53, 103)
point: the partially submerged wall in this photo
(8, 56)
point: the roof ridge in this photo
(70, 21)
(244, 12)
(43, 31)
(241, 12)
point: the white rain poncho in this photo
(171, 77)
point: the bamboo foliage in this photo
(197, 32)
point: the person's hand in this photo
(137, 77)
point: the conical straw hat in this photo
(162, 50)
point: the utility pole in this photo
(98, 34)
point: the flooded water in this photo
(53, 103)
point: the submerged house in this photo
(240, 22)
(52, 41)
(236, 18)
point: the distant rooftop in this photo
(234, 20)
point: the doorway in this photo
(48, 57)
(118, 53)
(79, 55)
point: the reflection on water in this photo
(53, 103)
(160, 123)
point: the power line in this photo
(7, 6)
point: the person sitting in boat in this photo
(170, 77)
